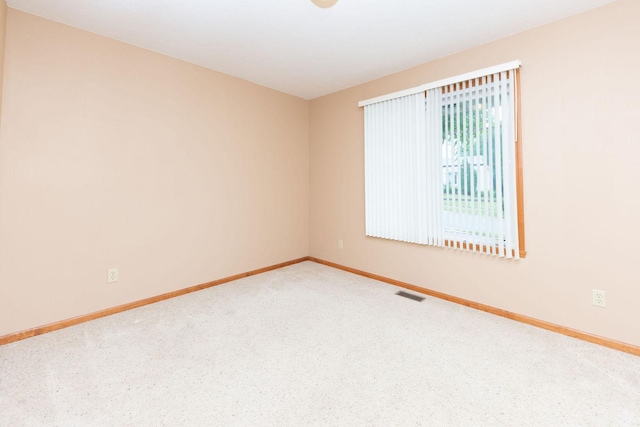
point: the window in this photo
(443, 164)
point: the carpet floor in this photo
(309, 345)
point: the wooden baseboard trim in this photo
(6, 339)
(606, 342)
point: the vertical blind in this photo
(440, 166)
(396, 169)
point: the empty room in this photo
(319, 212)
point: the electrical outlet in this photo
(599, 298)
(340, 245)
(112, 275)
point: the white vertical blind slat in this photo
(499, 165)
(513, 197)
(488, 238)
(505, 169)
(448, 155)
(510, 169)
(458, 159)
(434, 158)
(492, 165)
(464, 158)
(477, 214)
(507, 135)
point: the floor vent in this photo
(410, 296)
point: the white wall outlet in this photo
(112, 275)
(599, 298)
(340, 245)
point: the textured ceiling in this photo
(295, 47)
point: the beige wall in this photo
(581, 110)
(3, 28)
(114, 156)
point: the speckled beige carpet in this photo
(308, 345)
